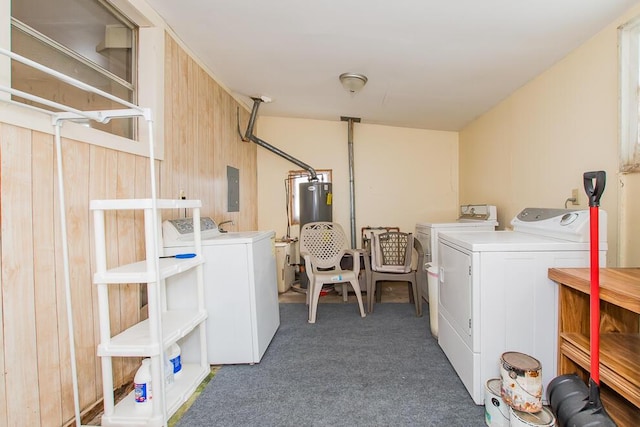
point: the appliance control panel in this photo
(540, 214)
(478, 212)
(565, 224)
(182, 229)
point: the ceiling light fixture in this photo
(353, 82)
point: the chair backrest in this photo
(391, 252)
(325, 242)
(368, 232)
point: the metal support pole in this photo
(352, 187)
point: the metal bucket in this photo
(521, 381)
(526, 419)
(496, 411)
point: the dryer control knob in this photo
(568, 218)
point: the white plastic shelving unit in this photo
(162, 328)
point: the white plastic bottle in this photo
(142, 383)
(175, 359)
(168, 371)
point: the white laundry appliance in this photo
(285, 263)
(240, 288)
(471, 218)
(495, 295)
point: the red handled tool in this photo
(575, 404)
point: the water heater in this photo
(315, 202)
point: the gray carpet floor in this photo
(382, 370)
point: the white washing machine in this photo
(472, 217)
(495, 295)
(240, 288)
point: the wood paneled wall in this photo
(200, 141)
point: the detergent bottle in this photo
(175, 359)
(142, 383)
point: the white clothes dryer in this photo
(471, 218)
(495, 295)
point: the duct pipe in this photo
(352, 187)
(249, 136)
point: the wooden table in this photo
(619, 335)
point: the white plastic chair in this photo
(396, 257)
(323, 244)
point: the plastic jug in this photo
(142, 383)
(175, 359)
(168, 371)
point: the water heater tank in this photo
(315, 202)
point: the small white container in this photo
(175, 359)
(142, 383)
(168, 371)
(496, 411)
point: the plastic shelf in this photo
(129, 413)
(139, 272)
(135, 341)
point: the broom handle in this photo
(594, 186)
(595, 297)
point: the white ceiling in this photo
(432, 64)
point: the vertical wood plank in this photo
(66, 380)
(47, 322)
(97, 190)
(21, 364)
(111, 229)
(142, 190)
(129, 294)
(180, 93)
(219, 155)
(3, 383)
(204, 153)
(76, 178)
(166, 165)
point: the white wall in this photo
(530, 150)
(533, 148)
(402, 175)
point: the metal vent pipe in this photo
(352, 186)
(249, 136)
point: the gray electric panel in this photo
(233, 189)
(315, 202)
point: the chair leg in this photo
(356, 289)
(313, 302)
(411, 293)
(370, 293)
(416, 297)
(345, 293)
